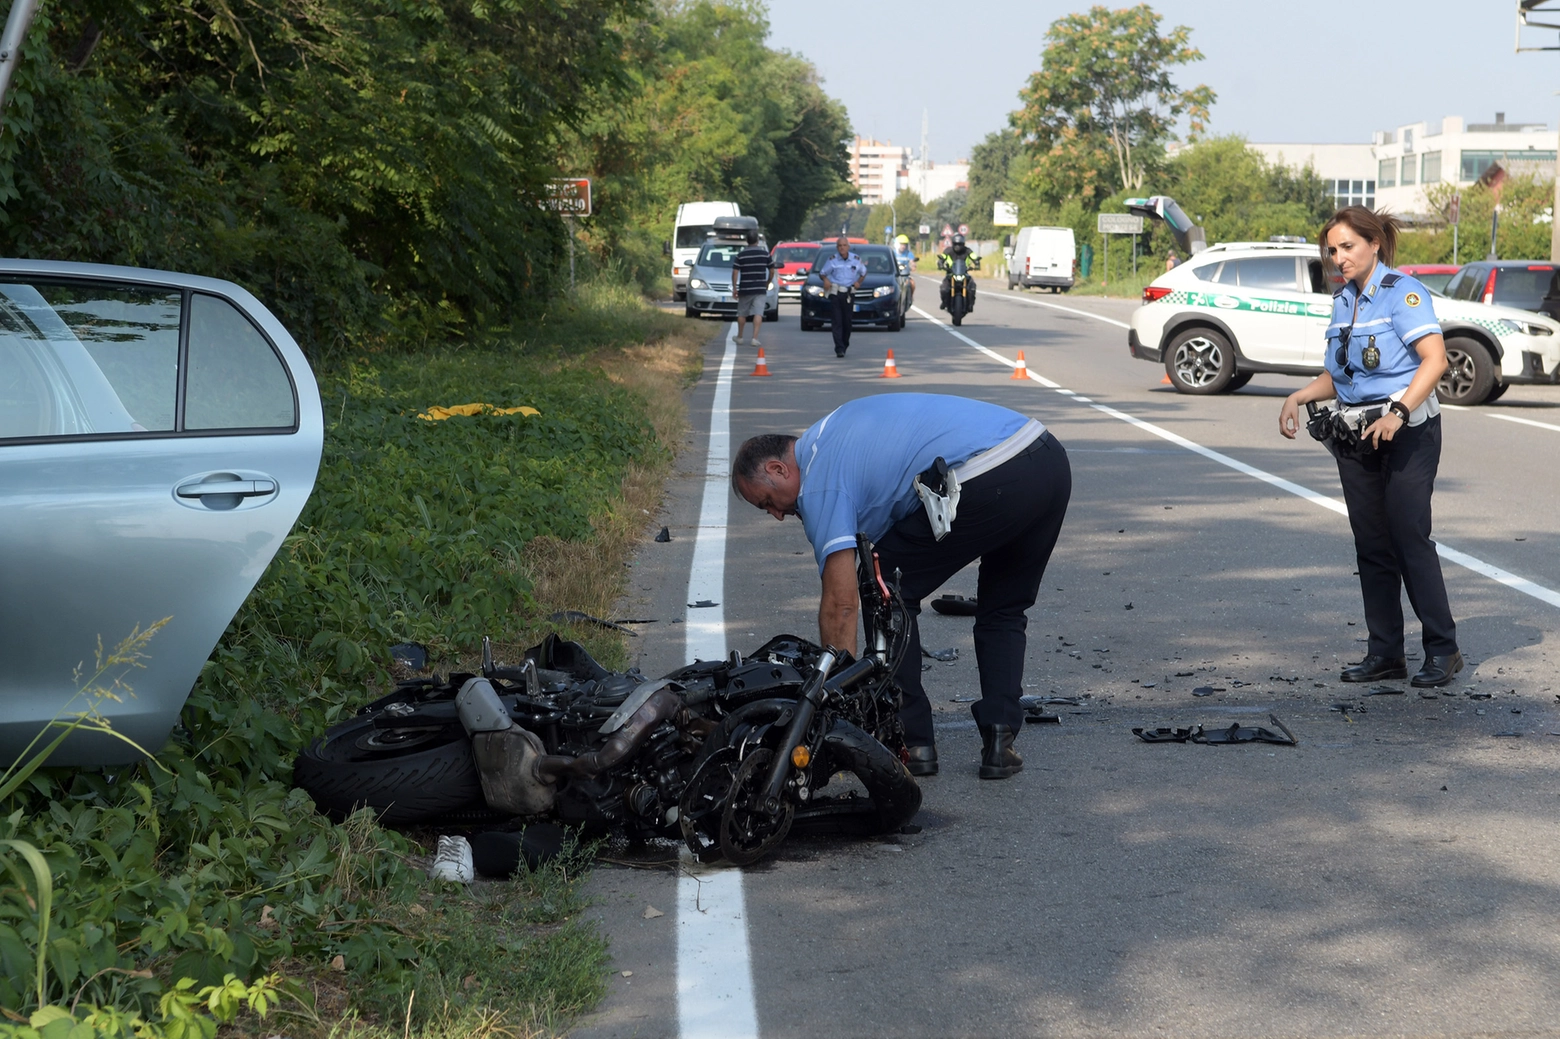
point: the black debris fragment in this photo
(1479, 694)
(410, 654)
(580, 617)
(1207, 690)
(702, 604)
(664, 536)
(1382, 690)
(1236, 733)
(1508, 734)
(945, 655)
(954, 605)
(1034, 701)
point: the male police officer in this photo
(842, 274)
(857, 470)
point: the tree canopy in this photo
(367, 166)
(1097, 114)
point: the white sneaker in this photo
(754, 342)
(453, 861)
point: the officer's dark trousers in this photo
(1388, 494)
(1009, 519)
(841, 306)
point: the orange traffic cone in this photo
(1021, 371)
(761, 368)
(1166, 380)
(890, 369)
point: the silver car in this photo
(159, 435)
(709, 282)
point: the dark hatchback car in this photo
(1510, 283)
(883, 300)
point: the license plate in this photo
(860, 308)
(726, 299)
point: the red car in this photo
(1432, 276)
(791, 261)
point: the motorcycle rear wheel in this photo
(405, 775)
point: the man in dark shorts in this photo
(751, 272)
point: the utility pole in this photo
(16, 24)
(1526, 9)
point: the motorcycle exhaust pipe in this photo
(622, 744)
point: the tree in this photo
(1237, 195)
(993, 165)
(1098, 113)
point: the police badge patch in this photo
(1412, 299)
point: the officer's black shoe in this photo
(1438, 671)
(839, 353)
(921, 760)
(998, 759)
(1376, 669)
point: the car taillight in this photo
(1153, 292)
(1489, 287)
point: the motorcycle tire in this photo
(893, 797)
(431, 776)
(957, 309)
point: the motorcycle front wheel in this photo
(957, 309)
(406, 776)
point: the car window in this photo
(691, 236)
(794, 254)
(1208, 271)
(1522, 287)
(1468, 283)
(719, 254)
(1262, 272)
(1316, 274)
(78, 360)
(236, 380)
(879, 263)
(1436, 283)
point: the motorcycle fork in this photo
(796, 732)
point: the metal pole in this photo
(571, 254)
(16, 24)
(1105, 273)
(1134, 255)
(1454, 246)
(1494, 230)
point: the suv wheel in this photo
(1200, 361)
(1470, 372)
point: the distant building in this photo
(879, 170)
(932, 180)
(1393, 171)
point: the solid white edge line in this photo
(1524, 421)
(1462, 559)
(714, 969)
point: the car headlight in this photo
(1529, 328)
(815, 290)
(695, 283)
(882, 290)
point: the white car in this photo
(1239, 308)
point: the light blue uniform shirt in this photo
(1394, 313)
(842, 271)
(858, 462)
(905, 257)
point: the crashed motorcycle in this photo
(729, 756)
(957, 289)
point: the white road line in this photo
(1463, 559)
(1524, 421)
(714, 973)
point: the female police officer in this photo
(1384, 357)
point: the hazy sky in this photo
(1283, 71)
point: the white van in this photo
(695, 223)
(1043, 257)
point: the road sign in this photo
(947, 230)
(570, 197)
(926, 229)
(1004, 214)
(1119, 223)
(964, 229)
(1455, 210)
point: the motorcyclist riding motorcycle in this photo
(958, 260)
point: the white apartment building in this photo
(1413, 157)
(1393, 171)
(932, 180)
(879, 170)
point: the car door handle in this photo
(235, 488)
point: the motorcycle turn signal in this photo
(801, 757)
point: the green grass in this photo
(208, 863)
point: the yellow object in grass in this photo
(438, 413)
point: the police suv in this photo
(1239, 308)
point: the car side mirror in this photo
(666, 248)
